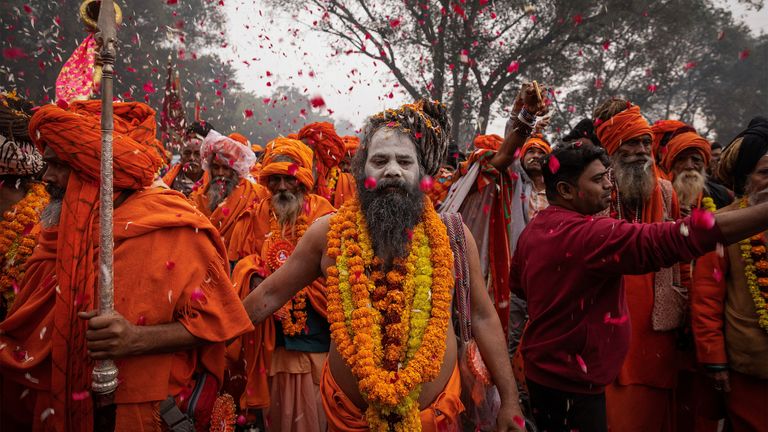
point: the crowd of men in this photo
(616, 280)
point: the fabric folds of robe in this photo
(246, 195)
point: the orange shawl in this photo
(246, 195)
(257, 346)
(488, 142)
(621, 127)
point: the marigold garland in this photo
(17, 239)
(293, 314)
(708, 204)
(361, 314)
(333, 178)
(753, 253)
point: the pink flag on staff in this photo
(75, 80)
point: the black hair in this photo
(715, 145)
(572, 159)
(583, 129)
(200, 128)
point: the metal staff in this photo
(104, 374)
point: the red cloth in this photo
(329, 151)
(570, 267)
(621, 127)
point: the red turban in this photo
(351, 144)
(535, 141)
(488, 142)
(297, 151)
(622, 127)
(683, 141)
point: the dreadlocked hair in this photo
(610, 108)
(425, 122)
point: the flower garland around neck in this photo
(389, 324)
(17, 238)
(278, 247)
(333, 179)
(753, 253)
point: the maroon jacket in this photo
(569, 268)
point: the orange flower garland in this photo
(17, 239)
(753, 253)
(362, 333)
(293, 314)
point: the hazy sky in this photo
(269, 48)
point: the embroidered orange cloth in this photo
(247, 247)
(344, 416)
(621, 127)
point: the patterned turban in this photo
(425, 122)
(18, 155)
(239, 157)
(300, 165)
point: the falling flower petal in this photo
(170, 265)
(370, 183)
(582, 365)
(426, 184)
(553, 164)
(702, 218)
(83, 395)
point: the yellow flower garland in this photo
(17, 240)
(293, 314)
(753, 253)
(357, 325)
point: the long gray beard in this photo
(51, 214)
(635, 180)
(287, 207)
(689, 185)
(391, 215)
(219, 190)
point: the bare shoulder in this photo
(319, 228)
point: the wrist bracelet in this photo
(529, 119)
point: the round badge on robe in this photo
(278, 253)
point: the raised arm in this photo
(301, 268)
(739, 224)
(491, 342)
(515, 133)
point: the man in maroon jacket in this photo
(569, 265)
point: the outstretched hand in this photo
(110, 336)
(510, 418)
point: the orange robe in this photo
(246, 195)
(169, 266)
(344, 416)
(641, 397)
(344, 190)
(256, 347)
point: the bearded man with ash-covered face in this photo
(388, 262)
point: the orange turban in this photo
(622, 127)
(488, 142)
(683, 141)
(75, 136)
(535, 141)
(659, 129)
(351, 144)
(301, 167)
(239, 138)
